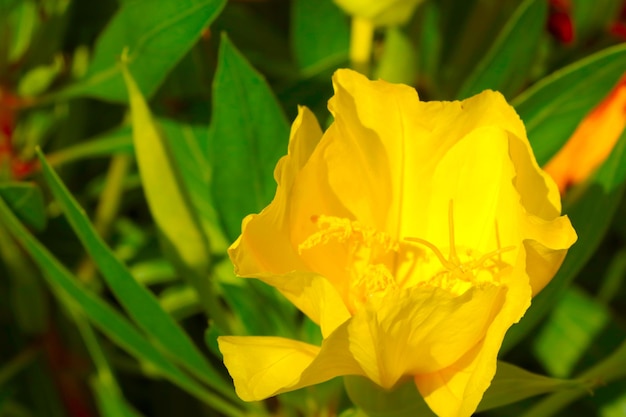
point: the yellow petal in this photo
(262, 367)
(538, 193)
(482, 194)
(368, 116)
(464, 158)
(265, 242)
(546, 235)
(546, 250)
(265, 249)
(421, 330)
(456, 391)
(314, 295)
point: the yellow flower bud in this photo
(380, 12)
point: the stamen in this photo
(444, 262)
(343, 230)
(498, 244)
(453, 261)
(491, 254)
(452, 254)
(456, 269)
(331, 228)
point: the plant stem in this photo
(107, 209)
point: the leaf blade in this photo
(512, 384)
(552, 108)
(156, 38)
(26, 200)
(248, 135)
(107, 320)
(138, 302)
(508, 61)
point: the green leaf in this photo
(26, 295)
(109, 321)
(21, 22)
(590, 207)
(38, 79)
(108, 396)
(512, 384)
(506, 65)
(320, 34)
(247, 297)
(553, 107)
(611, 402)
(138, 302)
(157, 35)
(110, 402)
(259, 37)
(180, 301)
(574, 324)
(467, 29)
(186, 143)
(170, 204)
(248, 134)
(26, 200)
(153, 271)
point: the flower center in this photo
(368, 257)
(376, 263)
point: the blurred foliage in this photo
(114, 278)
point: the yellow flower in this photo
(380, 12)
(414, 233)
(592, 142)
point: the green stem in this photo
(610, 369)
(111, 195)
(94, 348)
(108, 207)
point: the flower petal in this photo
(265, 250)
(421, 330)
(457, 390)
(482, 194)
(314, 296)
(262, 367)
(546, 251)
(546, 235)
(366, 117)
(538, 193)
(265, 242)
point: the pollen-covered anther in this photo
(342, 230)
(374, 279)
